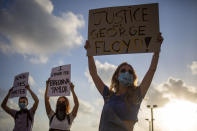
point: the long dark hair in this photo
(67, 104)
(131, 95)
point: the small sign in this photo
(59, 81)
(20, 81)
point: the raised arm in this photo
(145, 84)
(4, 103)
(93, 71)
(47, 103)
(36, 100)
(76, 102)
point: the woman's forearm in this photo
(47, 103)
(36, 101)
(75, 97)
(4, 103)
(145, 84)
(33, 96)
(76, 106)
(154, 62)
(92, 65)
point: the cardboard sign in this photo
(123, 30)
(20, 81)
(59, 81)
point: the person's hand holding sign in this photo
(159, 40)
(87, 45)
(71, 86)
(27, 87)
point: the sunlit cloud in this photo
(38, 59)
(31, 81)
(61, 62)
(6, 121)
(193, 67)
(86, 108)
(172, 89)
(36, 33)
(105, 71)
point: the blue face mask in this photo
(22, 105)
(125, 78)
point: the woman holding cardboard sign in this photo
(61, 119)
(123, 99)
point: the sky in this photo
(36, 35)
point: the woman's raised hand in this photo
(160, 38)
(47, 82)
(71, 86)
(87, 45)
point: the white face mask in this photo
(126, 78)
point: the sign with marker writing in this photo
(59, 81)
(123, 30)
(20, 81)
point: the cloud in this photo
(90, 113)
(31, 81)
(193, 67)
(41, 91)
(28, 27)
(162, 95)
(105, 71)
(3, 92)
(154, 96)
(6, 121)
(11, 102)
(178, 89)
(61, 62)
(38, 59)
(172, 89)
(85, 108)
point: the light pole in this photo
(149, 124)
(152, 118)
